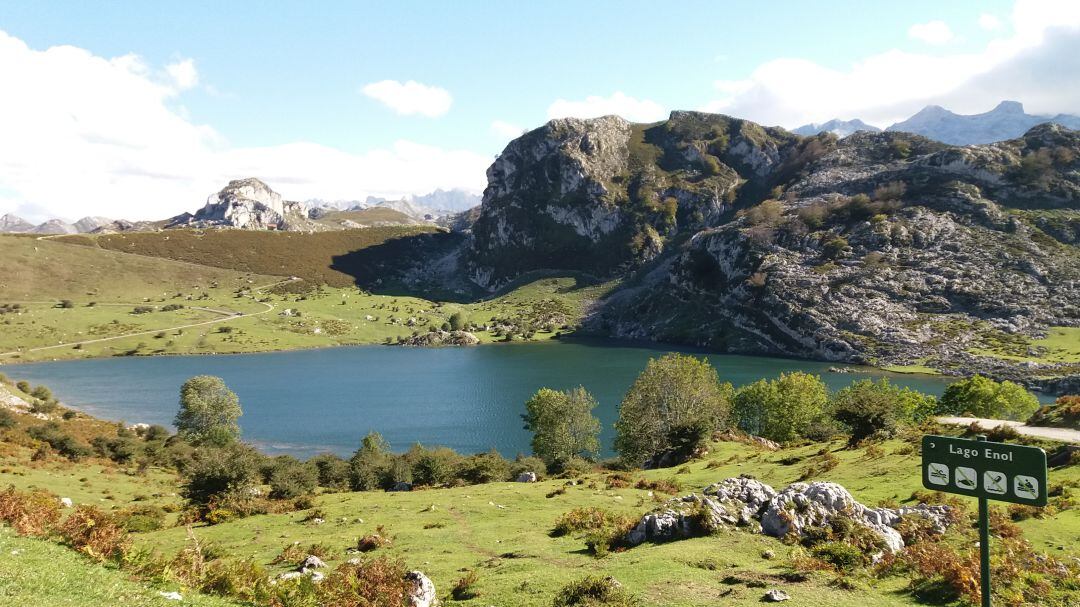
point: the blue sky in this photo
(262, 77)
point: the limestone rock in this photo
(527, 477)
(775, 596)
(422, 593)
(246, 204)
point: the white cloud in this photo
(86, 135)
(1038, 64)
(620, 104)
(932, 32)
(989, 22)
(407, 98)
(183, 74)
(505, 129)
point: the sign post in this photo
(987, 471)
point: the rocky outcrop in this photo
(10, 223)
(246, 204)
(796, 510)
(441, 338)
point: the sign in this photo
(982, 469)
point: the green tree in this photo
(563, 425)
(869, 407)
(783, 408)
(980, 396)
(673, 393)
(457, 321)
(208, 412)
(370, 464)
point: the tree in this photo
(869, 407)
(674, 392)
(457, 321)
(783, 408)
(208, 412)
(563, 425)
(980, 396)
(370, 463)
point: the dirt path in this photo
(1059, 434)
(226, 315)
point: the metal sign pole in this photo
(984, 544)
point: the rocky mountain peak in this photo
(13, 223)
(246, 204)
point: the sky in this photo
(141, 110)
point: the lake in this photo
(469, 399)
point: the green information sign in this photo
(993, 471)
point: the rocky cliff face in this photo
(246, 204)
(14, 224)
(605, 196)
(879, 248)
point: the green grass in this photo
(39, 573)
(1060, 345)
(43, 271)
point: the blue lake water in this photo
(469, 399)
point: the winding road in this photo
(226, 317)
(1064, 435)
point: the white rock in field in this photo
(66, 502)
(311, 562)
(171, 596)
(527, 477)
(775, 596)
(422, 593)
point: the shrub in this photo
(95, 533)
(844, 557)
(983, 397)
(433, 467)
(869, 407)
(217, 472)
(594, 591)
(47, 407)
(294, 553)
(293, 480)
(61, 442)
(7, 419)
(522, 464)
(33, 513)
(1064, 413)
(369, 583)
(563, 425)
(487, 467)
(333, 472)
(457, 321)
(465, 588)
(673, 390)
(373, 541)
(142, 519)
(835, 247)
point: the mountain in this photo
(89, 224)
(55, 226)
(15, 224)
(840, 128)
(1006, 121)
(246, 204)
(881, 248)
(448, 201)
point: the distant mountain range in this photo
(251, 204)
(1006, 121)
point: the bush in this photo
(61, 442)
(7, 419)
(674, 390)
(869, 408)
(781, 409)
(979, 396)
(46, 407)
(524, 464)
(487, 467)
(835, 247)
(218, 472)
(293, 480)
(369, 583)
(594, 591)
(844, 557)
(34, 513)
(433, 467)
(457, 321)
(1064, 413)
(95, 533)
(142, 519)
(370, 463)
(333, 472)
(465, 588)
